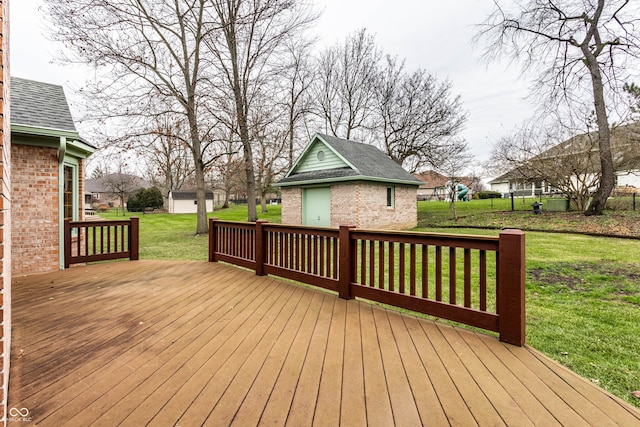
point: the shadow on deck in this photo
(197, 343)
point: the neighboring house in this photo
(579, 154)
(107, 190)
(340, 182)
(47, 180)
(184, 201)
(434, 185)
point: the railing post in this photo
(347, 258)
(134, 239)
(511, 287)
(213, 239)
(261, 246)
(67, 243)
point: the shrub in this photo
(142, 199)
(489, 195)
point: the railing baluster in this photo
(362, 248)
(452, 275)
(425, 271)
(322, 269)
(438, 273)
(392, 263)
(483, 280)
(381, 264)
(372, 266)
(401, 269)
(412, 270)
(467, 277)
(335, 257)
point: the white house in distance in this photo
(581, 151)
(340, 182)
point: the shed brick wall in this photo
(35, 209)
(361, 204)
(365, 206)
(292, 206)
(5, 211)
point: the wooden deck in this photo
(195, 343)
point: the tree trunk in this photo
(201, 217)
(607, 177)
(201, 223)
(263, 203)
(241, 112)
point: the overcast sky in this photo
(432, 35)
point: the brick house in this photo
(111, 189)
(436, 186)
(340, 182)
(47, 179)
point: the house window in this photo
(68, 193)
(390, 197)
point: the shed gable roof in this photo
(346, 161)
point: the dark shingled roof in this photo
(39, 104)
(189, 194)
(108, 183)
(368, 161)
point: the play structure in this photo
(462, 192)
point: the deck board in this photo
(197, 343)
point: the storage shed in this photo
(341, 182)
(185, 201)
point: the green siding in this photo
(311, 163)
(316, 206)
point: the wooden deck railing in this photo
(475, 280)
(87, 241)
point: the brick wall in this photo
(5, 209)
(292, 206)
(361, 204)
(35, 209)
(365, 206)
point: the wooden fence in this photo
(475, 280)
(87, 241)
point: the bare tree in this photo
(345, 89)
(533, 155)
(247, 51)
(121, 184)
(570, 43)
(169, 160)
(270, 130)
(453, 165)
(294, 84)
(632, 93)
(416, 116)
(151, 55)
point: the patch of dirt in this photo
(571, 274)
(612, 224)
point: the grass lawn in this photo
(583, 292)
(172, 236)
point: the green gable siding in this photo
(311, 163)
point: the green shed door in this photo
(316, 207)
